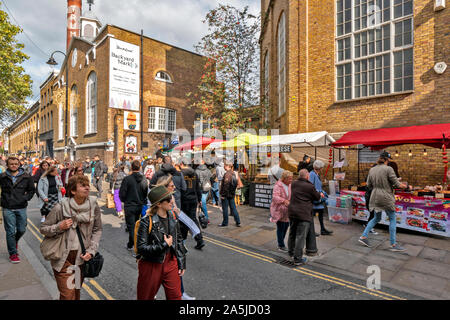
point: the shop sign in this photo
(285, 148)
(123, 75)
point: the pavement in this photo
(423, 270)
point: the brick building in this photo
(344, 65)
(22, 136)
(97, 122)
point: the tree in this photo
(15, 85)
(230, 79)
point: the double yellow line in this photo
(35, 231)
(308, 272)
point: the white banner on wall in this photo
(123, 75)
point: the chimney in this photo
(73, 19)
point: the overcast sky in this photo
(176, 22)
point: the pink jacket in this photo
(278, 210)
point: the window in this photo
(163, 76)
(161, 119)
(73, 112)
(374, 48)
(281, 66)
(60, 122)
(91, 104)
(201, 124)
(89, 31)
(51, 120)
(266, 87)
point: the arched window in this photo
(60, 122)
(91, 103)
(163, 76)
(281, 36)
(73, 111)
(266, 86)
(89, 31)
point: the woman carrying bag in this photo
(160, 249)
(62, 245)
(49, 191)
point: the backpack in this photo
(150, 225)
(206, 186)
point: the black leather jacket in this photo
(152, 247)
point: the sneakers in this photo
(326, 232)
(300, 262)
(200, 245)
(238, 224)
(373, 232)
(130, 249)
(43, 219)
(185, 296)
(396, 248)
(14, 258)
(312, 254)
(222, 225)
(365, 242)
(282, 249)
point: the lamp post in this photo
(52, 62)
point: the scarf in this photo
(83, 213)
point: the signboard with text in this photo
(123, 75)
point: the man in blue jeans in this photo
(204, 174)
(17, 189)
(227, 194)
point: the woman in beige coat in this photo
(81, 210)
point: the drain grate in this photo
(285, 262)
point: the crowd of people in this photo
(161, 201)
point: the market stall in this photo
(423, 209)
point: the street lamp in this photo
(51, 61)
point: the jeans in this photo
(377, 218)
(15, 221)
(282, 228)
(98, 185)
(297, 237)
(132, 214)
(117, 201)
(229, 202)
(204, 208)
(215, 193)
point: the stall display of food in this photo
(424, 214)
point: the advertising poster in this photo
(123, 75)
(130, 144)
(131, 120)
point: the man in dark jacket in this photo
(98, 169)
(190, 201)
(307, 163)
(227, 193)
(17, 189)
(133, 193)
(204, 175)
(300, 208)
(177, 178)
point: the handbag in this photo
(202, 219)
(51, 247)
(110, 201)
(91, 268)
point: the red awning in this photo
(199, 142)
(429, 135)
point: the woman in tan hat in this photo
(160, 249)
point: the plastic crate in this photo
(340, 215)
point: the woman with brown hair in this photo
(161, 253)
(81, 210)
(49, 191)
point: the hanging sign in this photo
(130, 144)
(131, 121)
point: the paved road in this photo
(222, 270)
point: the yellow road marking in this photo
(32, 224)
(102, 291)
(85, 286)
(315, 274)
(243, 252)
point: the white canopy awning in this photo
(309, 139)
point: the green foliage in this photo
(15, 85)
(230, 80)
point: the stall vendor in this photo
(392, 164)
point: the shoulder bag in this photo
(52, 247)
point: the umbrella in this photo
(243, 140)
(199, 142)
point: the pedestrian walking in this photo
(300, 208)
(99, 169)
(227, 193)
(177, 177)
(17, 189)
(161, 253)
(204, 175)
(220, 172)
(118, 176)
(215, 196)
(279, 207)
(382, 181)
(43, 167)
(49, 191)
(87, 166)
(318, 206)
(133, 193)
(77, 210)
(190, 201)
